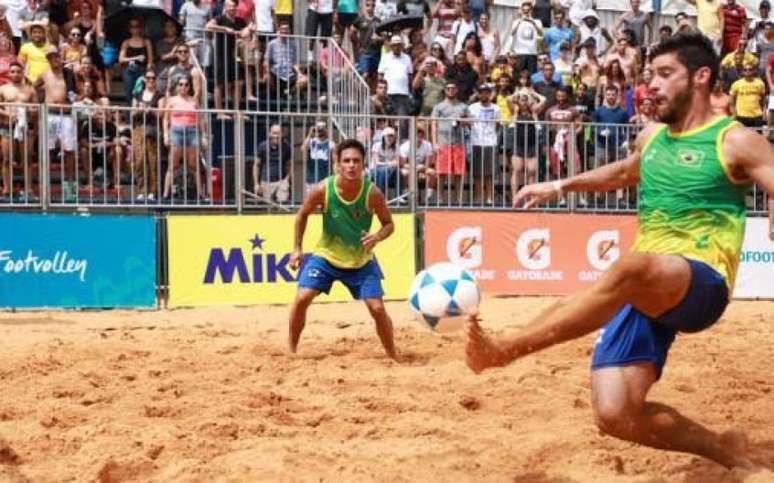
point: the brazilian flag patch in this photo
(690, 157)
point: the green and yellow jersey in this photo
(689, 202)
(344, 223)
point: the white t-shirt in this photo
(578, 9)
(263, 18)
(424, 150)
(321, 6)
(526, 36)
(13, 9)
(461, 29)
(397, 72)
(484, 133)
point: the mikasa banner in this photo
(756, 267)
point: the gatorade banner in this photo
(755, 278)
(242, 260)
(72, 261)
(529, 253)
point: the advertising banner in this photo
(70, 261)
(528, 253)
(242, 260)
(755, 278)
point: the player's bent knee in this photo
(630, 271)
(376, 308)
(614, 420)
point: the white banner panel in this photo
(756, 270)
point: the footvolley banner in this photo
(556, 254)
(218, 260)
(71, 261)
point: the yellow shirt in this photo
(35, 59)
(728, 60)
(505, 109)
(283, 7)
(748, 97)
(707, 17)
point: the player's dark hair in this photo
(693, 50)
(351, 144)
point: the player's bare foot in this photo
(738, 448)
(482, 352)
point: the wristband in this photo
(558, 187)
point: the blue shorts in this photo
(363, 283)
(184, 136)
(367, 64)
(632, 337)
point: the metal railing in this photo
(97, 156)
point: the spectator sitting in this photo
(33, 53)
(271, 169)
(424, 160)
(385, 162)
(320, 152)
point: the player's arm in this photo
(606, 178)
(378, 206)
(316, 198)
(751, 153)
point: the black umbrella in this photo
(401, 22)
(152, 18)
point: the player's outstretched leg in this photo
(383, 325)
(620, 410)
(653, 284)
(304, 298)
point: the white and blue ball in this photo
(441, 294)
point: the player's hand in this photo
(295, 260)
(535, 194)
(369, 240)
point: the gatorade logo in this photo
(533, 250)
(252, 265)
(463, 247)
(603, 249)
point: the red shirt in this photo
(640, 93)
(245, 9)
(5, 68)
(734, 19)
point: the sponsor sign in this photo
(219, 260)
(755, 278)
(72, 261)
(527, 253)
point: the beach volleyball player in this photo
(348, 200)
(693, 172)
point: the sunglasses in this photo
(75, 34)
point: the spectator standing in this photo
(734, 25)
(136, 56)
(395, 67)
(367, 44)
(627, 57)
(642, 90)
(34, 13)
(614, 76)
(320, 152)
(646, 113)
(416, 7)
(184, 68)
(609, 119)
(585, 102)
(478, 7)
(637, 21)
(484, 138)
(33, 53)
(386, 9)
(577, 9)
(490, 39)
(319, 22)
(462, 27)
(464, 77)
(194, 17)
(184, 133)
(525, 143)
(145, 135)
(475, 55)
(564, 64)
(710, 20)
(227, 72)
(541, 10)
(283, 12)
(732, 67)
(589, 68)
(166, 56)
(757, 26)
(562, 114)
(446, 13)
(6, 28)
(747, 97)
(590, 28)
(764, 46)
(447, 133)
(88, 72)
(13, 129)
(524, 32)
(282, 63)
(428, 86)
(560, 33)
(7, 59)
(272, 167)
(346, 14)
(548, 83)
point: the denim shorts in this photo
(184, 136)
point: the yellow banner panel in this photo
(242, 260)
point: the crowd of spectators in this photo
(555, 92)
